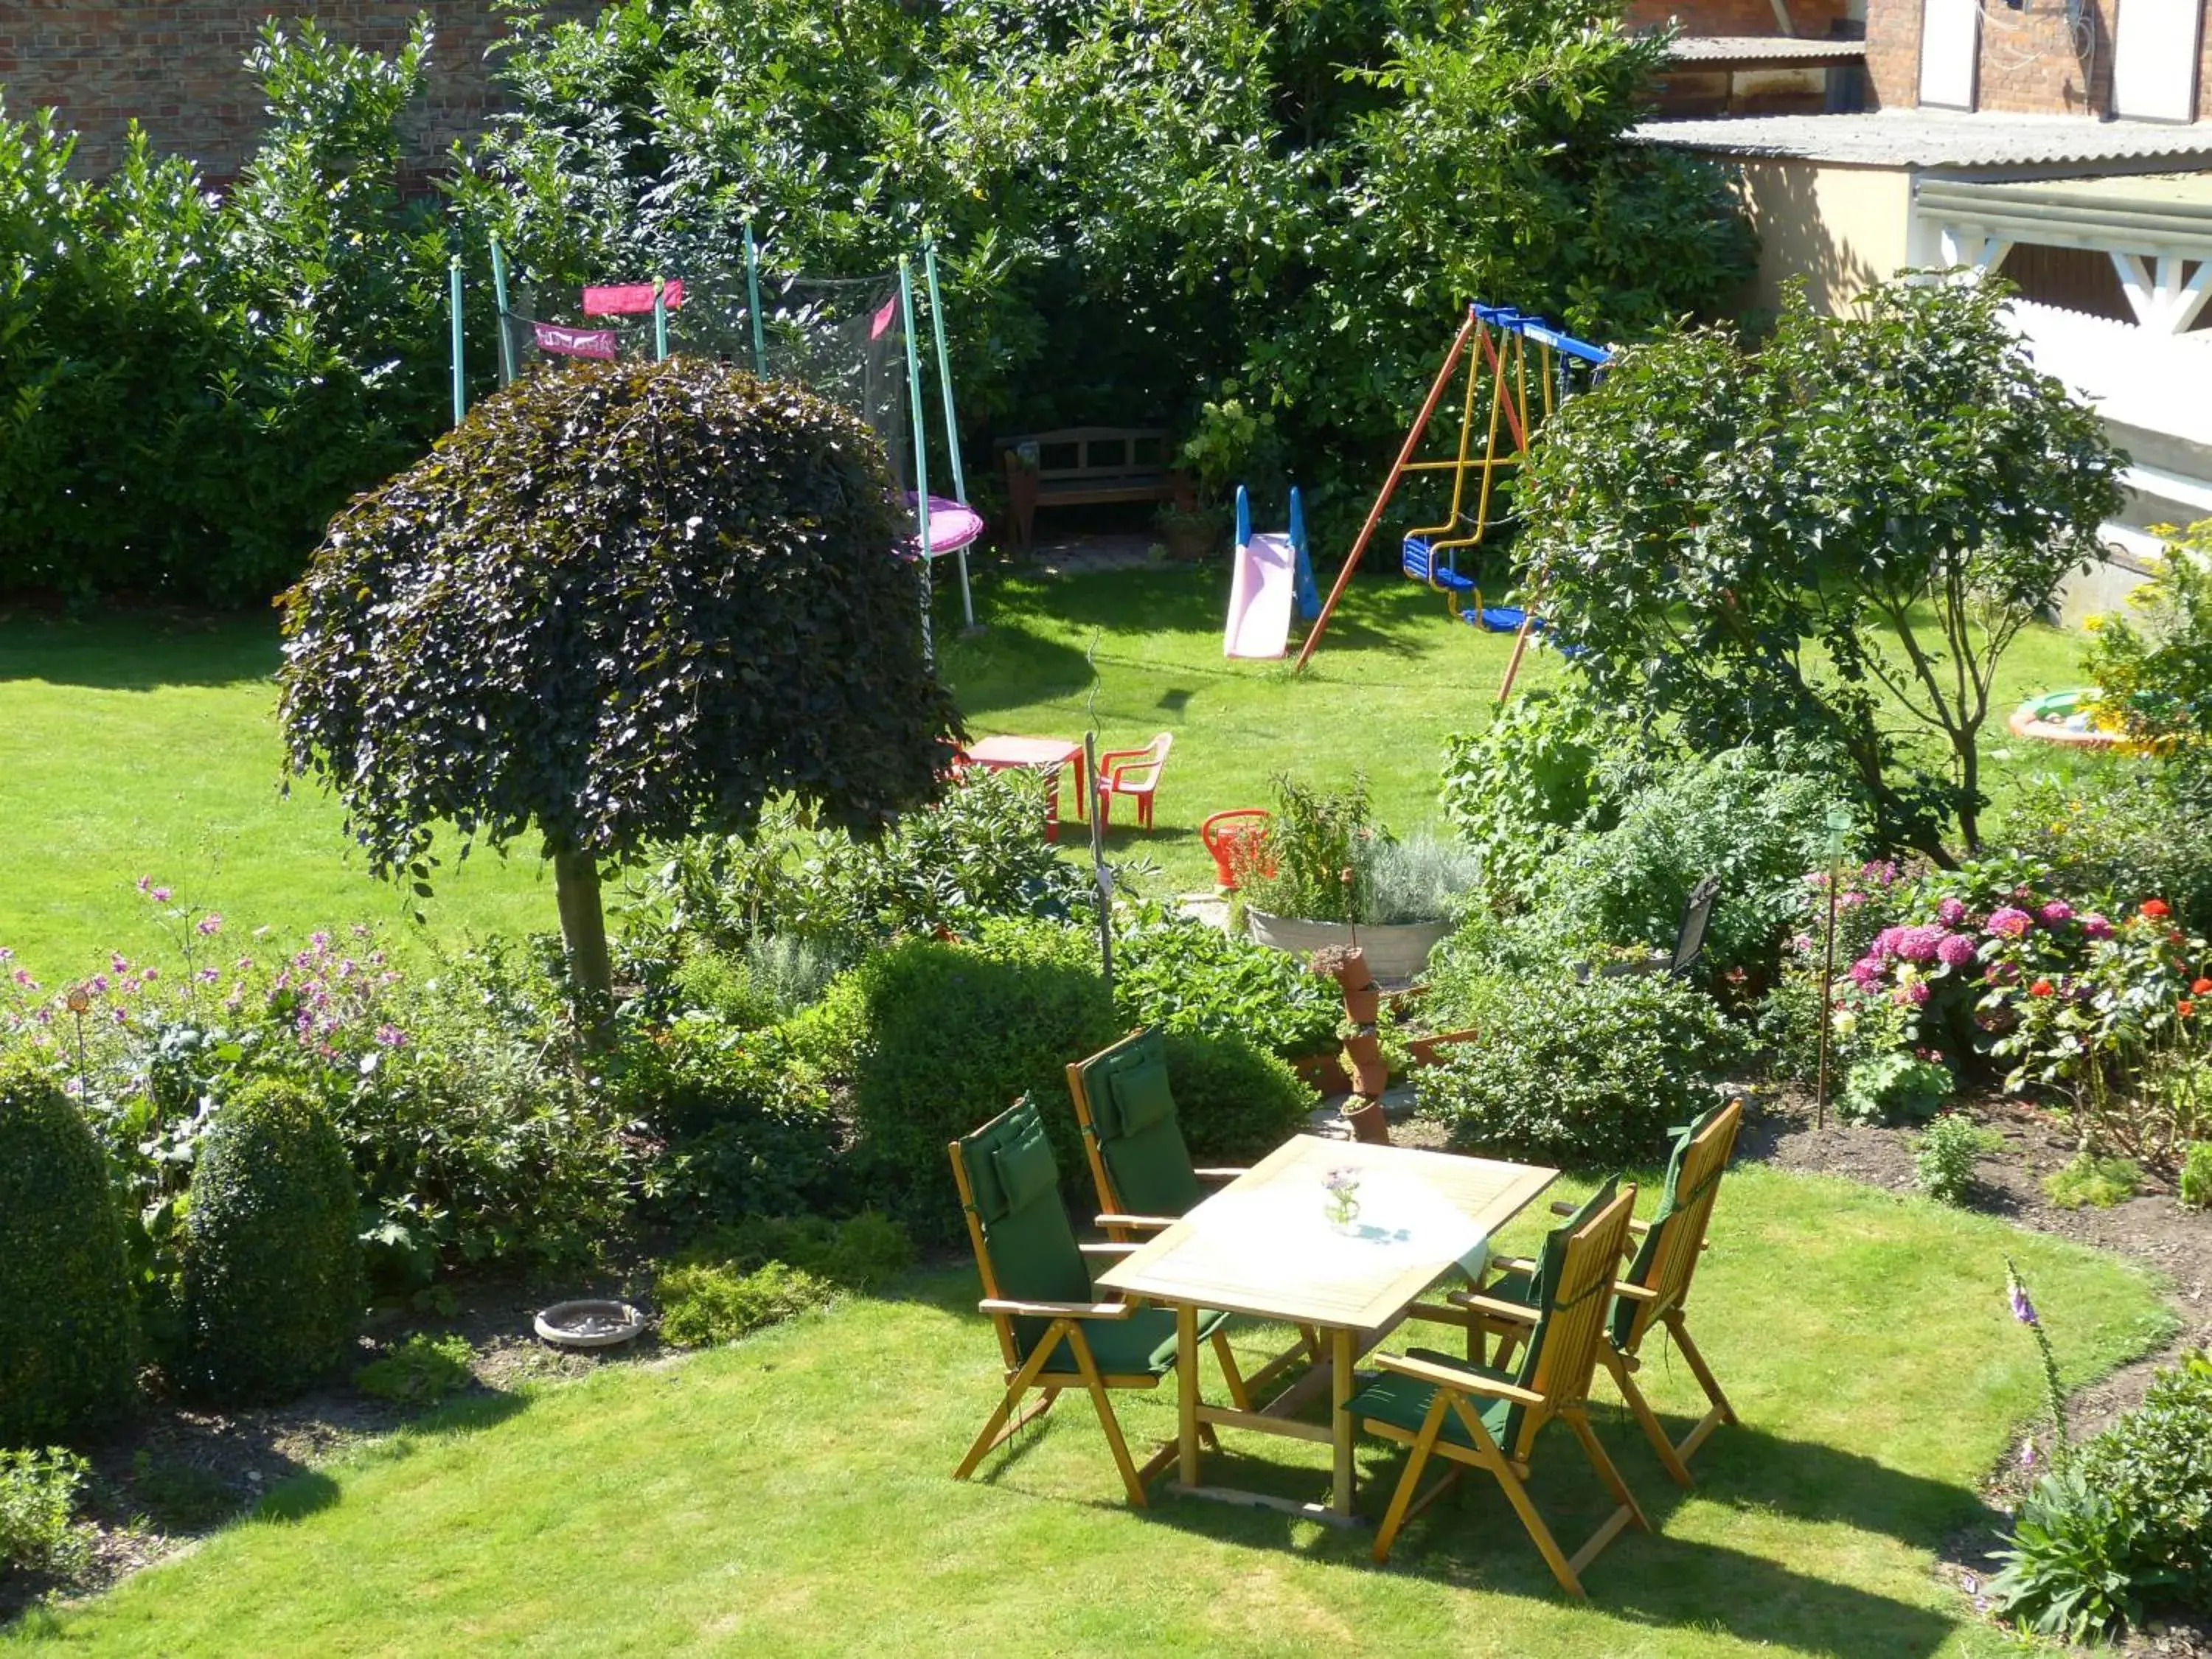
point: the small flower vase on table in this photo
(1341, 1206)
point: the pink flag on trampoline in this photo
(882, 319)
(629, 299)
(575, 342)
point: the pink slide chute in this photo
(1262, 586)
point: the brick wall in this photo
(2030, 60)
(2034, 60)
(176, 66)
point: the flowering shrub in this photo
(473, 1131)
(1985, 968)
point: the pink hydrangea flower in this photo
(1803, 944)
(2095, 926)
(2056, 912)
(1852, 899)
(1955, 951)
(1919, 943)
(1951, 912)
(1917, 992)
(1886, 943)
(2010, 923)
(1866, 973)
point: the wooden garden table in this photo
(1263, 1246)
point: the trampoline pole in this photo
(499, 293)
(660, 320)
(453, 302)
(752, 302)
(1389, 487)
(951, 423)
(921, 446)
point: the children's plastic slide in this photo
(1268, 573)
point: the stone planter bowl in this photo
(1394, 952)
(589, 1324)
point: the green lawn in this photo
(790, 1494)
(147, 746)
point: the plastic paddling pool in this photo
(2062, 717)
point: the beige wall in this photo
(1841, 228)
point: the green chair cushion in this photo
(1141, 1094)
(1143, 1344)
(1026, 1169)
(1403, 1401)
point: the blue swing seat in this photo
(1415, 559)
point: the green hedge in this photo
(67, 1330)
(1587, 1076)
(273, 1285)
(943, 1037)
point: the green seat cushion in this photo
(1143, 1344)
(1403, 1401)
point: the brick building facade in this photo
(177, 67)
(2037, 59)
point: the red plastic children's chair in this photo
(1224, 832)
(1134, 773)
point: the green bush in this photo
(1587, 1076)
(1943, 1157)
(941, 1036)
(2113, 835)
(1515, 790)
(66, 1317)
(419, 1372)
(708, 1303)
(797, 903)
(1173, 970)
(746, 1120)
(1894, 1087)
(273, 1287)
(2196, 1176)
(863, 1253)
(1237, 1102)
(2121, 1527)
(1755, 819)
(38, 1495)
(2092, 1182)
(194, 382)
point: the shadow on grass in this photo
(137, 651)
(1472, 1538)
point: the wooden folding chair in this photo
(1053, 1333)
(1663, 1260)
(1480, 1417)
(1139, 1161)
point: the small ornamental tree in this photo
(620, 603)
(1838, 534)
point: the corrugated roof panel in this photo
(1938, 138)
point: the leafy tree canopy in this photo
(1142, 206)
(621, 603)
(1856, 519)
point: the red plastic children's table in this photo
(1045, 755)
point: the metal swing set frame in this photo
(1492, 344)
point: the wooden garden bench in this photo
(1083, 465)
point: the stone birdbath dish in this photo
(589, 1324)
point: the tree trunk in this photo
(584, 931)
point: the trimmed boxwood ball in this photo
(273, 1286)
(619, 603)
(66, 1325)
